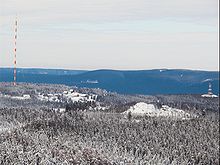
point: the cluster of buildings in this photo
(67, 96)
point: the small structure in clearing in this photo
(210, 94)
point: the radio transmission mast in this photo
(15, 51)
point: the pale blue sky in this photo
(113, 34)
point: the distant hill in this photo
(158, 81)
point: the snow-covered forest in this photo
(33, 131)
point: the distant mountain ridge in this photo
(157, 81)
(43, 71)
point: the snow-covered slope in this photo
(209, 95)
(142, 109)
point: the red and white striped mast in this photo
(15, 51)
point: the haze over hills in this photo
(158, 81)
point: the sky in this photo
(110, 34)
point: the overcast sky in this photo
(110, 34)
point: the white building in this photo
(210, 94)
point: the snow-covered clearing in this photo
(144, 109)
(23, 97)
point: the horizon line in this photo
(110, 69)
